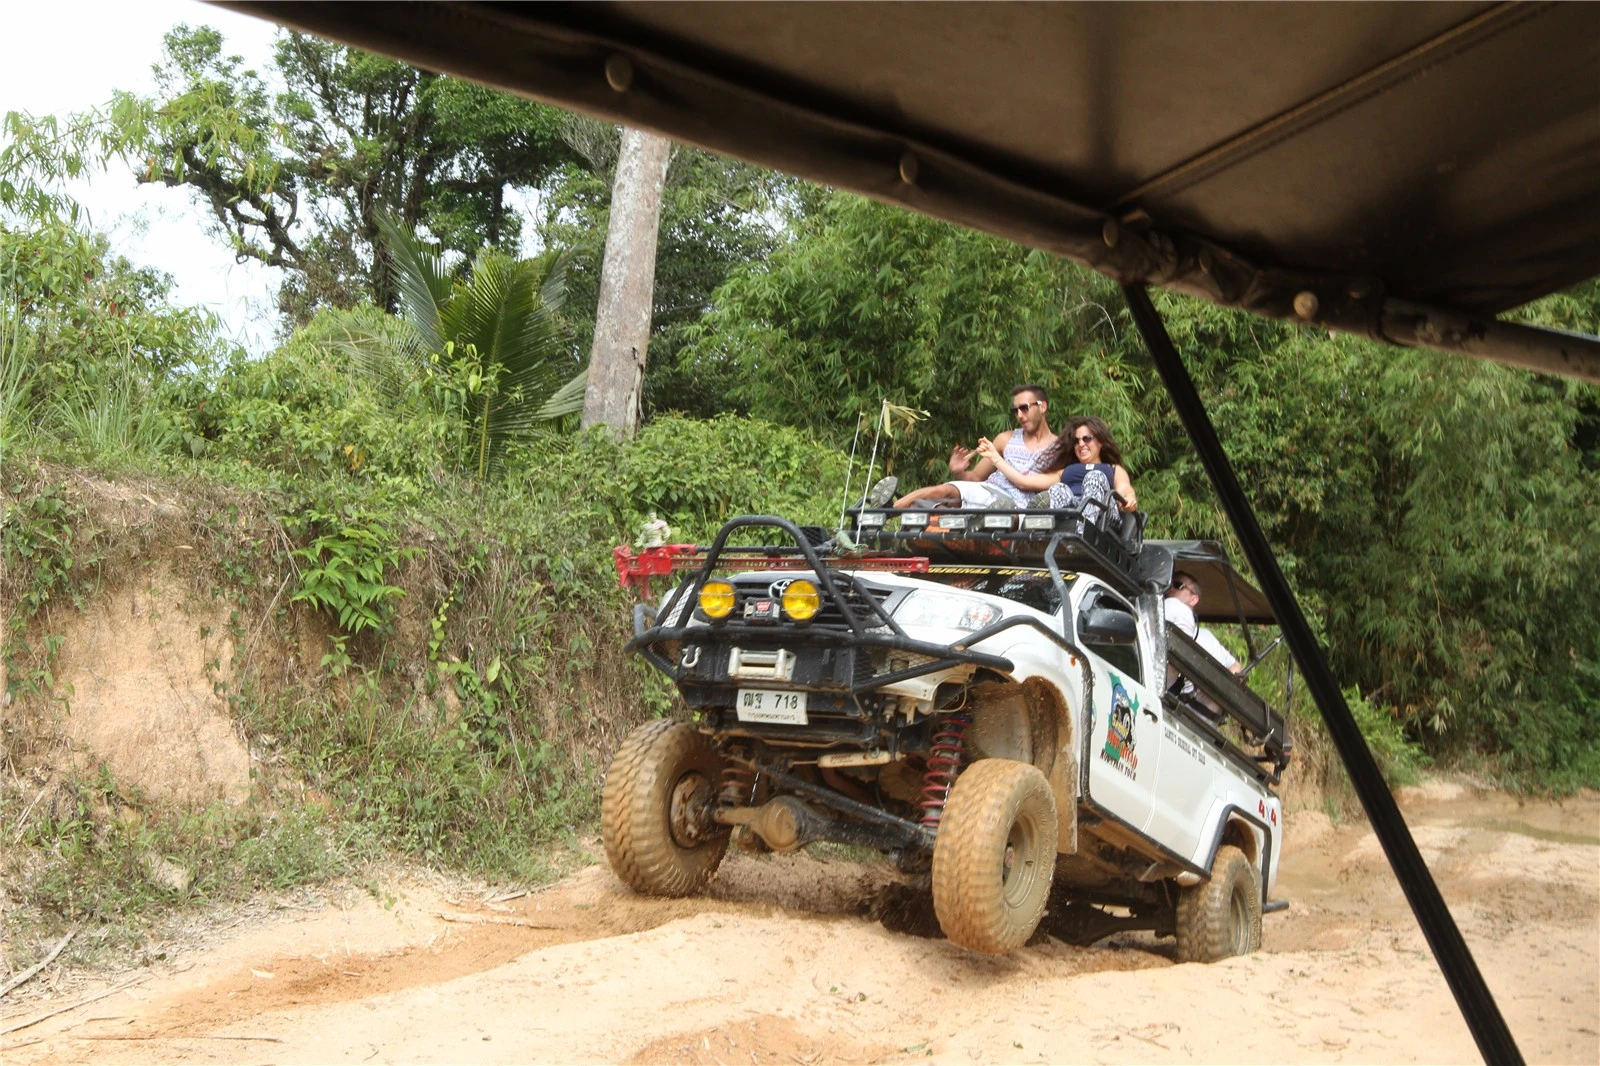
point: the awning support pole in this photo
(1472, 994)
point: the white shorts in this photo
(983, 494)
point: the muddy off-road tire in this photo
(655, 812)
(1220, 918)
(995, 856)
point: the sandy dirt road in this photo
(781, 965)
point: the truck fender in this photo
(1248, 832)
(1031, 721)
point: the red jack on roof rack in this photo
(635, 569)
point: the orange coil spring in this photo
(944, 762)
(737, 786)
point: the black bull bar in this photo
(860, 632)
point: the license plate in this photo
(778, 706)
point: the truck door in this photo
(1186, 785)
(1125, 733)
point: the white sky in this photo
(68, 55)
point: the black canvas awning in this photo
(1226, 596)
(1401, 171)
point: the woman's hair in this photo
(1063, 454)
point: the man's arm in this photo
(1035, 482)
(960, 457)
(1214, 647)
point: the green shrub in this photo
(698, 474)
(118, 419)
(352, 551)
(95, 846)
(18, 364)
(89, 342)
(43, 559)
(305, 413)
(1399, 758)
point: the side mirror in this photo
(1103, 626)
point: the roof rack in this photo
(1107, 544)
(1098, 540)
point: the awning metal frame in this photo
(530, 50)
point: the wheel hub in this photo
(1239, 923)
(1017, 873)
(689, 817)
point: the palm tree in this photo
(498, 333)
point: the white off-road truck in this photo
(992, 698)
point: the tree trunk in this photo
(627, 283)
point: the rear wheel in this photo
(656, 810)
(1220, 918)
(995, 855)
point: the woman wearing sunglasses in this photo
(1085, 464)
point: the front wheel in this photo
(995, 856)
(656, 810)
(1221, 917)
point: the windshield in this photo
(1024, 585)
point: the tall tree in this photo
(627, 285)
(298, 177)
(717, 214)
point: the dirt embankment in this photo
(780, 964)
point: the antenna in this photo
(844, 497)
(877, 434)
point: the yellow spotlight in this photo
(800, 600)
(716, 599)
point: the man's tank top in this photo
(1023, 459)
(1072, 477)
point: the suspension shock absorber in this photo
(944, 762)
(736, 787)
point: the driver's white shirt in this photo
(1207, 640)
(1181, 615)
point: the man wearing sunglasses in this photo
(1183, 599)
(975, 480)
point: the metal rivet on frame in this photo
(619, 72)
(908, 168)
